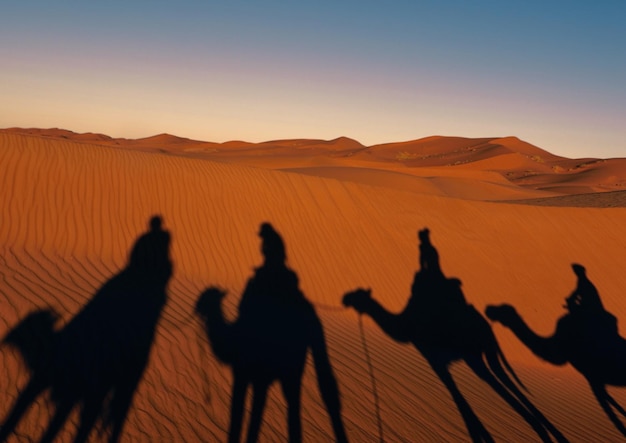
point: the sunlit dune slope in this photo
(71, 212)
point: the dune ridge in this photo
(72, 210)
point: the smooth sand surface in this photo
(72, 207)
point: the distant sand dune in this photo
(501, 160)
(72, 209)
(470, 184)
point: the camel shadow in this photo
(96, 361)
(586, 337)
(444, 328)
(269, 342)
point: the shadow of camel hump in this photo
(445, 328)
(97, 360)
(586, 337)
(269, 341)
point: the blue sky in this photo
(552, 73)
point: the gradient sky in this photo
(552, 73)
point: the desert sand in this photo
(507, 219)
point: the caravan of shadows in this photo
(97, 360)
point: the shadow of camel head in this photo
(357, 299)
(209, 300)
(33, 338)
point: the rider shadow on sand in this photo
(445, 328)
(586, 337)
(98, 358)
(269, 342)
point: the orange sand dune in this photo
(440, 151)
(531, 171)
(71, 212)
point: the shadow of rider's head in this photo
(273, 247)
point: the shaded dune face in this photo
(72, 211)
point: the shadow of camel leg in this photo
(291, 389)
(88, 417)
(496, 366)
(480, 369)
(605, 400)
(259, 396)
(236, 408)
(503, 377)
(615, 404)
(476, 430)
(58, 419)
(32, 390)
(122, 401)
